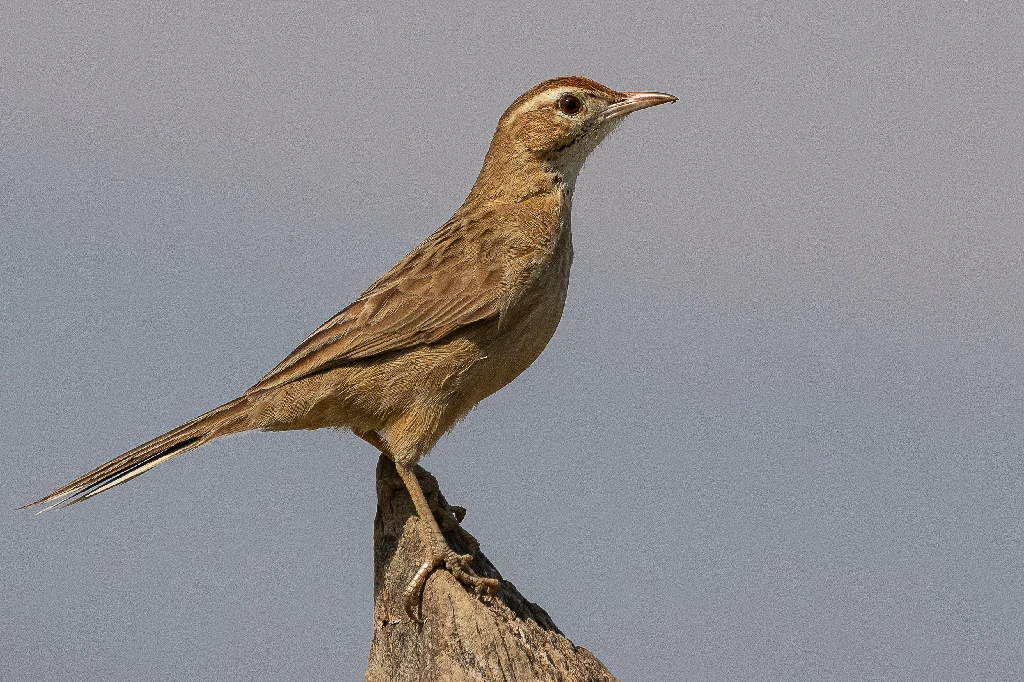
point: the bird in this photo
(457, 319)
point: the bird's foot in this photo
(458, 565)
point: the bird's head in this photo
(556, 124)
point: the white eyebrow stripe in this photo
(549, 95)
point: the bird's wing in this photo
(448, 282)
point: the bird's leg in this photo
(440, 551)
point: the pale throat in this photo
(513, 177)
(565, 168)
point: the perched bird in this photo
(458, 318)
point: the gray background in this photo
(776, 437)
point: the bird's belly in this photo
(519, 340)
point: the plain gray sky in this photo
(777, 436)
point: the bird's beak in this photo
(635, 101)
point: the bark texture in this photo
(462, 637)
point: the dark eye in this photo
(569, 104)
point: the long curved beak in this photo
(635, 101)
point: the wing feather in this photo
(446, 283)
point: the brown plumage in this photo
(458, 318)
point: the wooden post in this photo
(462, 636)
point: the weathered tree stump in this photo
(462, 637)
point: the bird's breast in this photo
(526, 325)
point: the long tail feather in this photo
(226, 419)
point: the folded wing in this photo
(447, 283)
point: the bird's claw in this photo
(458, 566)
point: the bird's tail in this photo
(228, 418)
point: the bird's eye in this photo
(569, 104)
